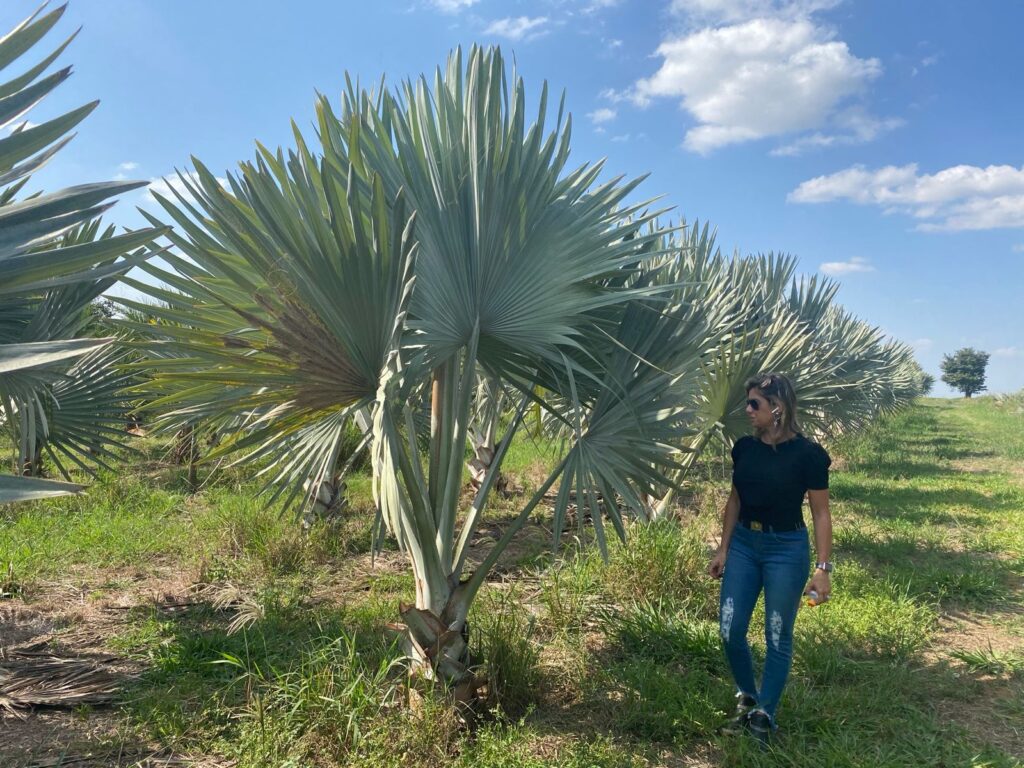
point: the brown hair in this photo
(780, 394)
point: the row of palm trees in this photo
(431, 272)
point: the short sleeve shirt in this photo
(772, 482)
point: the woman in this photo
(765, 546)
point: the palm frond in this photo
(49, 270)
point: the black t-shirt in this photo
(772, 482)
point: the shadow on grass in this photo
(201, 677)
(926, 506)
(911, 444)
(931, 572)
(664, 680)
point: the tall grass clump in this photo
(664, 635)
(123, 521)
(664, 703)
(504, 633)
(667, 669)
(327, 707)
(570, 593)
(510, 745)
(831, 640)
(663, 561)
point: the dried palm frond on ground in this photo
(133, 760)
(37, 676)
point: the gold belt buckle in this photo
(755, 525)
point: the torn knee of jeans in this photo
(775, 627)
(725, 626)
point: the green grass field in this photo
(918, 660)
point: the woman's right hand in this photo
(717, 566)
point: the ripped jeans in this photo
(778, 563)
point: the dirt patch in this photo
(987, 721)
(68, 626)
(46, 734)
(21, 624)
(125, 756)
(993, 717)
(964, 631)
(552, 746)
(992, 465)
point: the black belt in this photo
(757, 525)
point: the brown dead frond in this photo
(35, 677)
(225, 596)
(128, 760)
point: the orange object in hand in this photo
(813, 599)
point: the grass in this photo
(991, 662)
(918, 659)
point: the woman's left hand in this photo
(821, 583)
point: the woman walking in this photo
(765, 546)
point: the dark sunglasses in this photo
(754, 404)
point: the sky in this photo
(880, 143)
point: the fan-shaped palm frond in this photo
(44, 279)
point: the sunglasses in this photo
(755, 405)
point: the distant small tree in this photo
(965, 370)
(101, 312)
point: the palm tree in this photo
(40, 273)
(87, 405)
(437, 235)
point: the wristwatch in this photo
(824, 565)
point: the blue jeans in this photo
(778, 563)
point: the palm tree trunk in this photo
(484, 436)
(661, 510)
(186, 451)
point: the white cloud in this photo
(1008, 352)
(599, 5)
(602, 115)
(759, 78)
(733, 11)
(1018, 248)
(956, 198)
(922, 345)
(453, 6)
(121, 174)
(927, 61)
(856, 264)
(165, 186)
(853, 126)
(615, 96)
(517, 28)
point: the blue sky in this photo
(878, 142)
